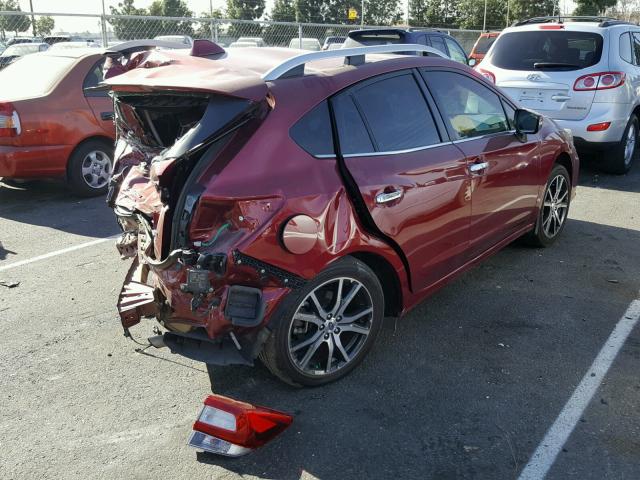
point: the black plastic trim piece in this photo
(287, 279)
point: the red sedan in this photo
(52, 124)
(280, 205)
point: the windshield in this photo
(20, 49)
(33, 76)
(484, 43)
(547, 50)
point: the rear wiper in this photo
(543, 65)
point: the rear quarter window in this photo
(313, 131)
(625, 48)
(546, 50)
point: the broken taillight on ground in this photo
(228, 427)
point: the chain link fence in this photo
(105, 30)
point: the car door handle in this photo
(387, 197)
(106, 116)
(560, 97)
(478, 167)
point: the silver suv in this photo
(584, 72)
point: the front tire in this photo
(327, 328)
(625, 152)
(90, 167)
(554, 210)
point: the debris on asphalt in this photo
(612, 280)
(9, 284)
(469, 448)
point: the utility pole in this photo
(484, 22)
(33, 19)
(507, 13)
(362, 14)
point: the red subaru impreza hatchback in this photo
(279, 205)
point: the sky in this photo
(72, 25)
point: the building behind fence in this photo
(109, 29)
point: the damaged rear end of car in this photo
(187, 269)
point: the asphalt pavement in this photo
(465, 386)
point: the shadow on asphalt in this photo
(464, 386)
(51, 204)
(591, 175)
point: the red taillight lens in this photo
(599, 81)
(9, 121)
(598, 127)
(487, 74)
(233, 428)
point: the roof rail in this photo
(612, 23)
(294, 66)
(562, 19)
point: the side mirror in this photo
(472, 62)
(527, 121)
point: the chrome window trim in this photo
(386, 153)
(462, 140)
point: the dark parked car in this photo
(273, 213)
(385, 36)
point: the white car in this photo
(305, 44)
(583, 72)
(259, 41)
(184, 40)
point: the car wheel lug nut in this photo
(326, 336)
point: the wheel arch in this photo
(565, 160)
(100, 138)
(388, 278)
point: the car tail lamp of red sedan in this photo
(232, 428)
(9, 120)
(599, 81)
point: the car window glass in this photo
(636, 48)
(625, 48)
(455, 52)
(511, 114)
(313, 131)
(352, 132)
(422, 40)
(438, 43)
(93, 79)
(470, 108)
(397, 114)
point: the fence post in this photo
(103, 24)
(216, 28)
(300, 36)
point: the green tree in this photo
(311, 11)
(381, 12)
(127, 28)
(593, 7)
(282, 11)
(437, 13)
(471, 14)
(245, 10)
(204, 29)
(13, 23)
(523, 9)
(45, 25)
(169, 8)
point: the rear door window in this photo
(397, 113)
(547, 50)
(352, 131)
(438, 43)
(93, 79)
(636, 48)
(313, 131)
(455, 52)
(625, 48)
(469, 108)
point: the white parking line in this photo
(56, 253)
(546, 453)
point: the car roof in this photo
(239, 72)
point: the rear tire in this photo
(90, 167)
(625, 152)
(554, 210)
(322, 333)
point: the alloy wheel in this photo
(556, 206)
(96, 169)
(630, 144)
(330, 326)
